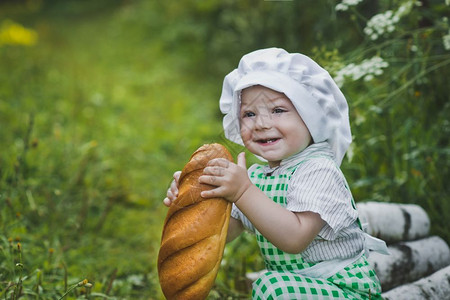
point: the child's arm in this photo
(235, 227)
(289, 231)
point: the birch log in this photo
(394, 222)
(433, 287)
(410, 261)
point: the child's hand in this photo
(172, 192)
(230, 179)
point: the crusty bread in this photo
(194, 232)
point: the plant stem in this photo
(69, 290)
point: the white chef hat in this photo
(315, 95)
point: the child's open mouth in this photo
(267, 141)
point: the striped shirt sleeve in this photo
(319, 186)
(238, 215)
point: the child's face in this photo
(270, 125)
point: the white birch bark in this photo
(433, 287)
(394, 222)
(410, 261)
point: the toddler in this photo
(288, 111)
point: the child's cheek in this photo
(246, 125)
(245, 135)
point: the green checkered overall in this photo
(356, 281)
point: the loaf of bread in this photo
(194, 232)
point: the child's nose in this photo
(263, 121)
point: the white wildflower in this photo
(341, 6)
(345, 4)
(368, 77)
(446, 41)
(378, 24)
(385, 22)
(368, 69)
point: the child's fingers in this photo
(172, 193)
(167, 202)
(210, 179)
(216, 171)
(241, 162)
(219, 162)
(174, 188)
(176, 176)
(213, 193)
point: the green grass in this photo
(94, 120)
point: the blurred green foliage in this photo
(101, 101)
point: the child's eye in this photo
(248, 114)
(278, 110)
